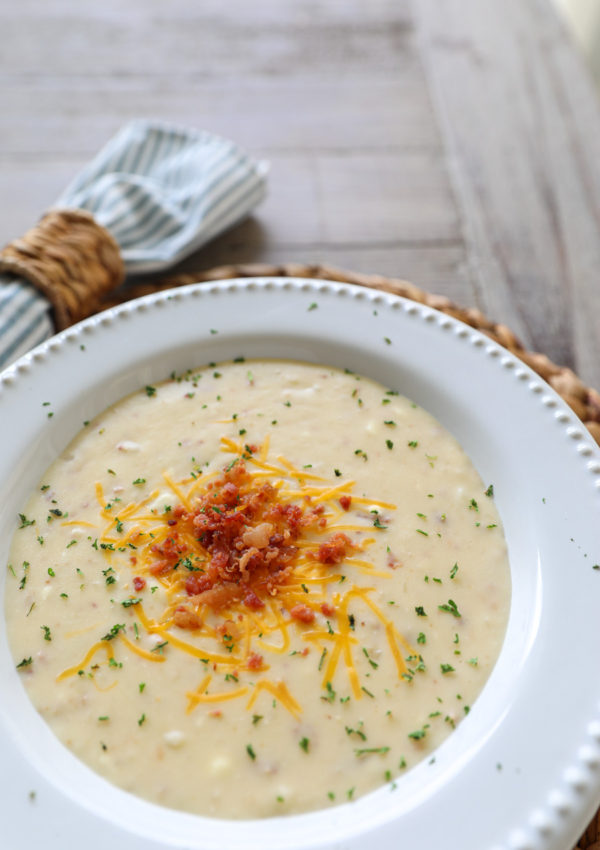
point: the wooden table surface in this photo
(454, 143)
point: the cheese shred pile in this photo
(249, 560)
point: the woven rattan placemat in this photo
(77, 265)
(584, 401)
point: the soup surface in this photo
(257, 588)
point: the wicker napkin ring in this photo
(69, 258)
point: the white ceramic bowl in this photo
(522, 771)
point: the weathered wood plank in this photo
(212, 38)
(522, 128)
(76, 116)
(354, 199)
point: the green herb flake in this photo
(134, 600)
(368, 750)
(25, 522)
(47, 633)
(450, 607)
(24, 663)
(114, 631)
(250, 751)
(304, 744)
(150, 391)
(418, 734)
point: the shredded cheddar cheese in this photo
(233, 614)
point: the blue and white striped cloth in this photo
(162, 192)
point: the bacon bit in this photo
(327, 609)
(139, 583)
(229, 629)
(305, 651)
(345, 502)
(252, 601)
(161, 568)
(215, 713)
(247, 539)
(259, 536)
(219, 596)
(302, 613)
(254, 661)
(186, 619)
(393, 562)
(334, 550)
(133, 559)
(196, 583)
(171, 522)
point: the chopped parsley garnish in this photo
(366, 750)
(25, 522)
(451, 608)
(418, 735)
(304, 744)
(135, 600)
(114, 631)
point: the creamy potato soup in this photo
(257, 588)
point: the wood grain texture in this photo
(522, 131)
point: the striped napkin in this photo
(162, 192)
